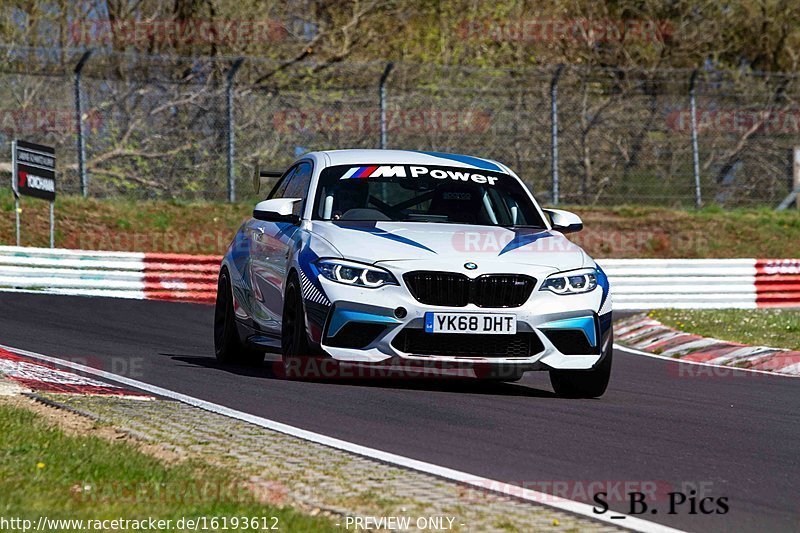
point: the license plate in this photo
(492, 323)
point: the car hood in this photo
(372, 242)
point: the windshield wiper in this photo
(422, 217)
(525, 226)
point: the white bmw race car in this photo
(388, 258)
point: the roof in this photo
(385, 157)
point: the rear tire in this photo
(583, 383)
(228, 347)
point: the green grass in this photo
(778, 328)
(207, 228)
(640, 231)
(44, 471)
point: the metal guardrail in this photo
(635, 283)
(703, 283)
(682, 283)
(143, 276)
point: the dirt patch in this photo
(11, 388)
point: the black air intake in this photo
(417, 341)
(457, 290)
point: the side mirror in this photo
(564, 221)
(277, 210)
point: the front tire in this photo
(583, 383)
(228, 347)
(294, 340)
(300, 361)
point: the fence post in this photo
(79, 120)
(382, 95)
(796, 175)
(229, 97)
(794, 192)
(554, 131)
(698, 198)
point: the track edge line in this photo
(506, 489)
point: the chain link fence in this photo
(160, 127)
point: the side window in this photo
(279, 191)
(298, 186)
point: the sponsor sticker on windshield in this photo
(414, 171)
(457, 196)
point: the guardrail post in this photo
(14, 185)
(698, 198)
(382, 96)
(52, 224)
(796, 175)
(229, 97)
(79, 122)
(554, 132)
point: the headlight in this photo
(570, 283)
(351, 273)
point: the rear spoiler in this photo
(261, 175)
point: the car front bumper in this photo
(544, 312)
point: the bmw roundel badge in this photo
(470, 266)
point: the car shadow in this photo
(272, 369)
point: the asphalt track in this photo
(661, 424)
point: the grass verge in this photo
(778, 328)
(47, 472)
(208, 227)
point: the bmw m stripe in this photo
(359, 172)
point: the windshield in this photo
(421, 193)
